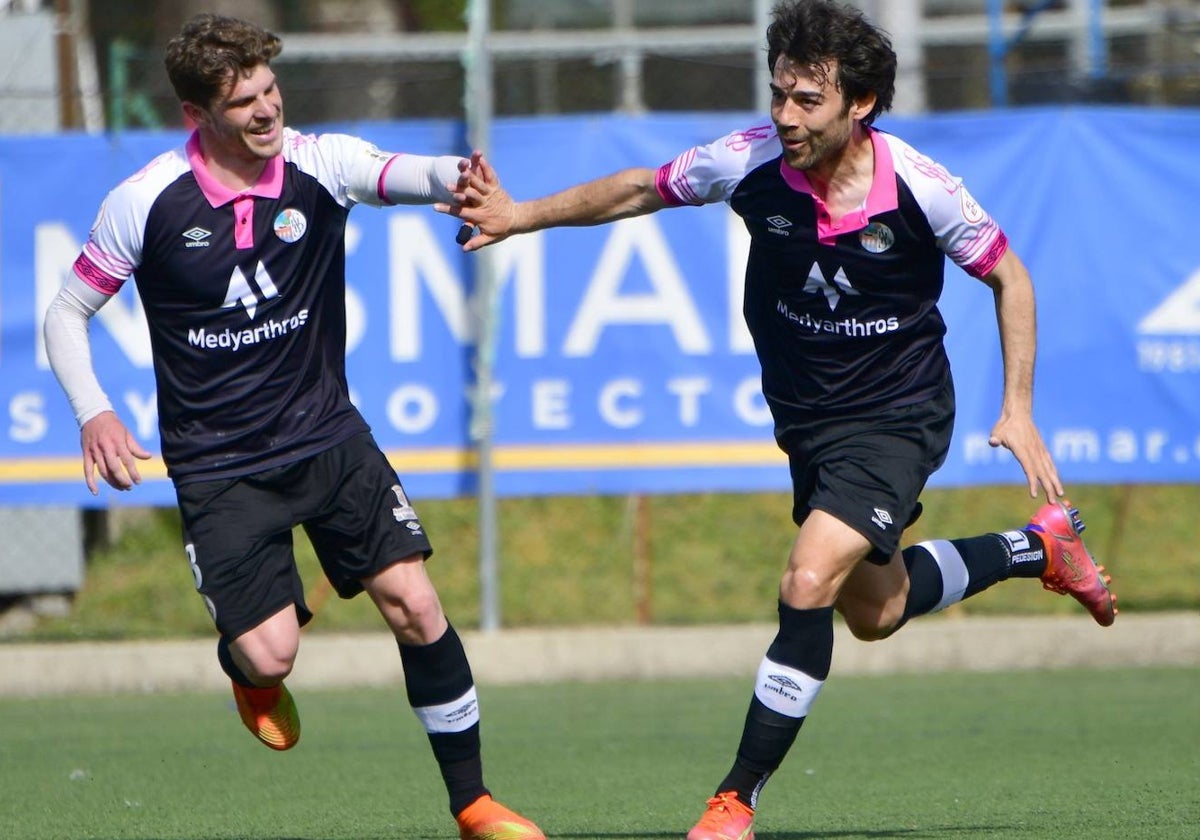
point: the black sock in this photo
(225, 657)
(441, 690)
(944, 572)
(789, 679)
(924, 581)
(1028, 559)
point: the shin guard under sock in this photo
(441, 690)
(789, 679)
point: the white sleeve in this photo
(418, 179)
(356, 171)
(965, 232)
(69, 349)
(708, 174)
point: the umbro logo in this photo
(882, 518)
(779, 225)
(786, 682)
(196, 237)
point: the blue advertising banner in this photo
(621, 361)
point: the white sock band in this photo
(954, 571)
(455, 716)
(785, 690)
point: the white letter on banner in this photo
(356, 319)
(28, 422)
(413, 252)
(738, 242)
(145, 413)
(1075, 445)
(689, 391)
(524, 258)
(55, 250)
(356, 312)
(612, 413)
(670, 304)
(1123, 446)
(550, 409)
(749, 404)
(412, 409)
(1179, 314)
(1156, 442)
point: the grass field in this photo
(978, 757)
(684, 559)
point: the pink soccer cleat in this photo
(1070, 569)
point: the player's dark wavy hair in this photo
(811, 32)
(212, 49)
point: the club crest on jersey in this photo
(290, 225)
(877, 238)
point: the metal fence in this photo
(398, 59)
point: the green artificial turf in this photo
(1056, 755)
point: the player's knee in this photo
(268, 668)
(414, 617)
(804, 587)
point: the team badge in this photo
(877, 238)
(290, 225)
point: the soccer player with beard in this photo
(236, 241)
(849, 229)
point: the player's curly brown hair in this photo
(211, 50)
(812, 32)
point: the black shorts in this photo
(238, 532)
(869, 470)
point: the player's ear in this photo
(862, 106)
(194, 114)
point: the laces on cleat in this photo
(1077, 521)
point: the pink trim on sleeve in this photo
(983, 266)
(87, 271)
(671, 181)
(380, 188)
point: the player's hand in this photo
(1019, 435)
(109, 449)
(480, 201)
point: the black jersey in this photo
(843, 314)
(244, 293)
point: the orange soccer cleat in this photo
(727, 818)
(270, 714)
(487, 819)
(1070, 569)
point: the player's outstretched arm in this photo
(1015, 430)
(108, 447)
(481, 201)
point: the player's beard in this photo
(819, 147)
